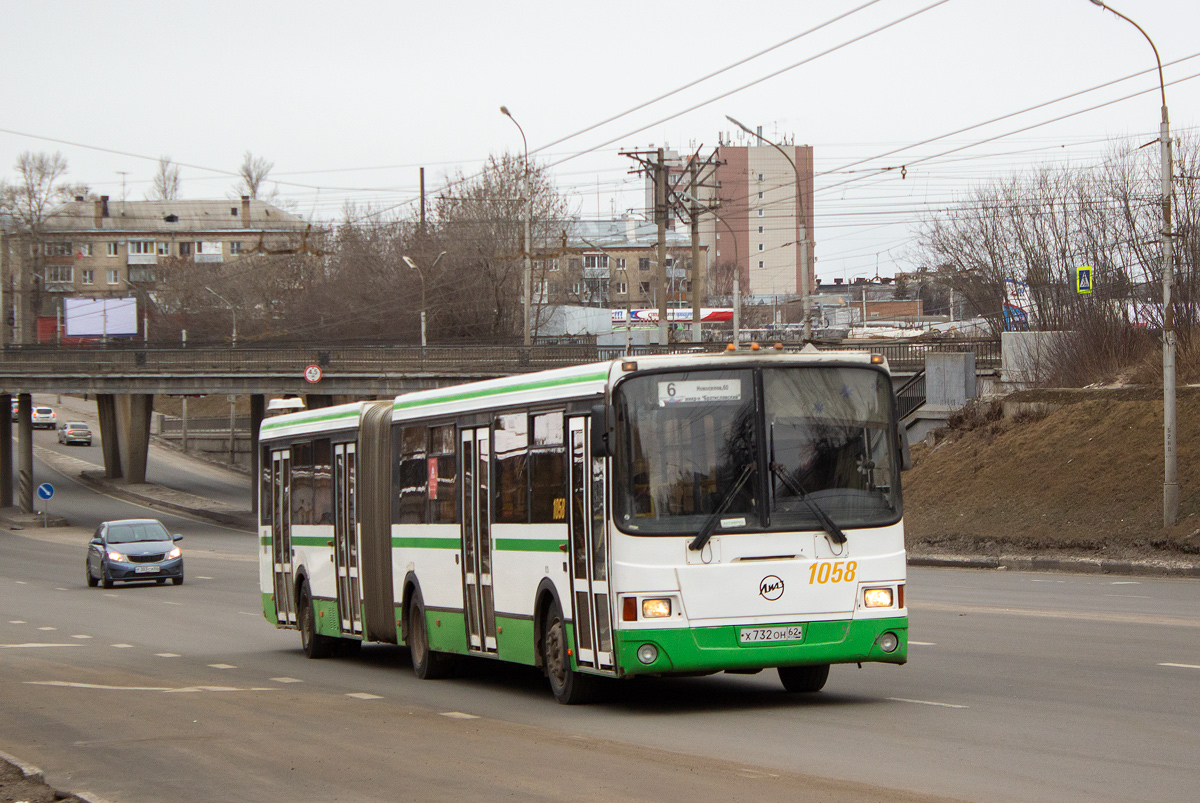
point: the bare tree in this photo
(252, 177)
(165, 186)
(30, 200)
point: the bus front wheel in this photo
(315, 645)
(804, 678)
(568, 686)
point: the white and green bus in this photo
(651, 516)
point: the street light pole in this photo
(801, 229)
(232, 311)
(737, 268)
(1170, 477)
(408, 261)
(528, 283)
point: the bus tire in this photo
(804, 679)
(427, 664)
(315, 645)
(568, 686)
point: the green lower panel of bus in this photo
(268, 602)
(327, 619)
(715, 648)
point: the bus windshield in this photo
(770, 448)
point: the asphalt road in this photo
(1025, 687)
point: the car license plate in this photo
(146, 569)
(763, 635)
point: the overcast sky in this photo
(350, 99)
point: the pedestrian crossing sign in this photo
(1083, 279)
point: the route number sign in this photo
(312, 374)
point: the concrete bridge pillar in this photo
(125, 434)
(25, 452)
(6, 452)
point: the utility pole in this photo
(697, 281)
(422, 202)
(660, 215)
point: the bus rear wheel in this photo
(804, 679)
(315, 645)
(427, 664)
(568, 686)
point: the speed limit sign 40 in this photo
(312, 374)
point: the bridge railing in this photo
(408, 360)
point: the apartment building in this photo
(613, 263)
(98, 247)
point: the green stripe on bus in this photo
(478, 394)
(529, 545)
(427, 543)
(312, 419)
(311, 540)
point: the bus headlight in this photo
(877, 598)
(647, 653)
(656, 609)
(888, 642)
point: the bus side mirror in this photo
(905, 454)
(601, 444)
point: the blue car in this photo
(134, 550)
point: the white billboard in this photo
(100, 317)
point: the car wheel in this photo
(314, 644)
(161, 581)
(804, 679)
(427, 664)
(568, 686)
(177, 580)
(108, 581)
(92, 581)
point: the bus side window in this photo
(547, 470)
(412, 475)
(443, 474)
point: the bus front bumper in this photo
(713, 649)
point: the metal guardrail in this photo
(403, 360)
(911, 395)
(199, 424)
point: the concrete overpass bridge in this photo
(125, 378)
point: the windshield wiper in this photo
(831, 529)
(711, 523)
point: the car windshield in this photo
(757, 447)
(137, 531)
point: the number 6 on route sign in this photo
(45, 491)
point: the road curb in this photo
(30, 772)
(1036, 563)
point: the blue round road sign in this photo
(45, 490)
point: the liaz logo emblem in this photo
(770, 587)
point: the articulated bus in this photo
(655, 515)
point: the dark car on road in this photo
(74, 432)
(134, 550)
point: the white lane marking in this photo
(17, 622)
(72, 685)
(110, 595)
(22, 583)
(923, 643)
(1183, 666)
(1130, 596)
(202, 577)
(121, 646)
(362, 695)
(167, 654)
(223, 666)
(458, 715)
(926, 702)
(172, 603)
(249, 613)
(60, 588)
(1085, 616)
(33, 644)
(81, 636)
(47, 628)
(1126, 583)
(287, 680)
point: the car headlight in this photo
(174, 553)
(117, 557)
(656, 608)
(877, 598)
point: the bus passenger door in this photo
(475, 459)
(281, 535)
(589, 551)
(345, 536)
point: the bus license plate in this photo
(762, 635)
(145, 569)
